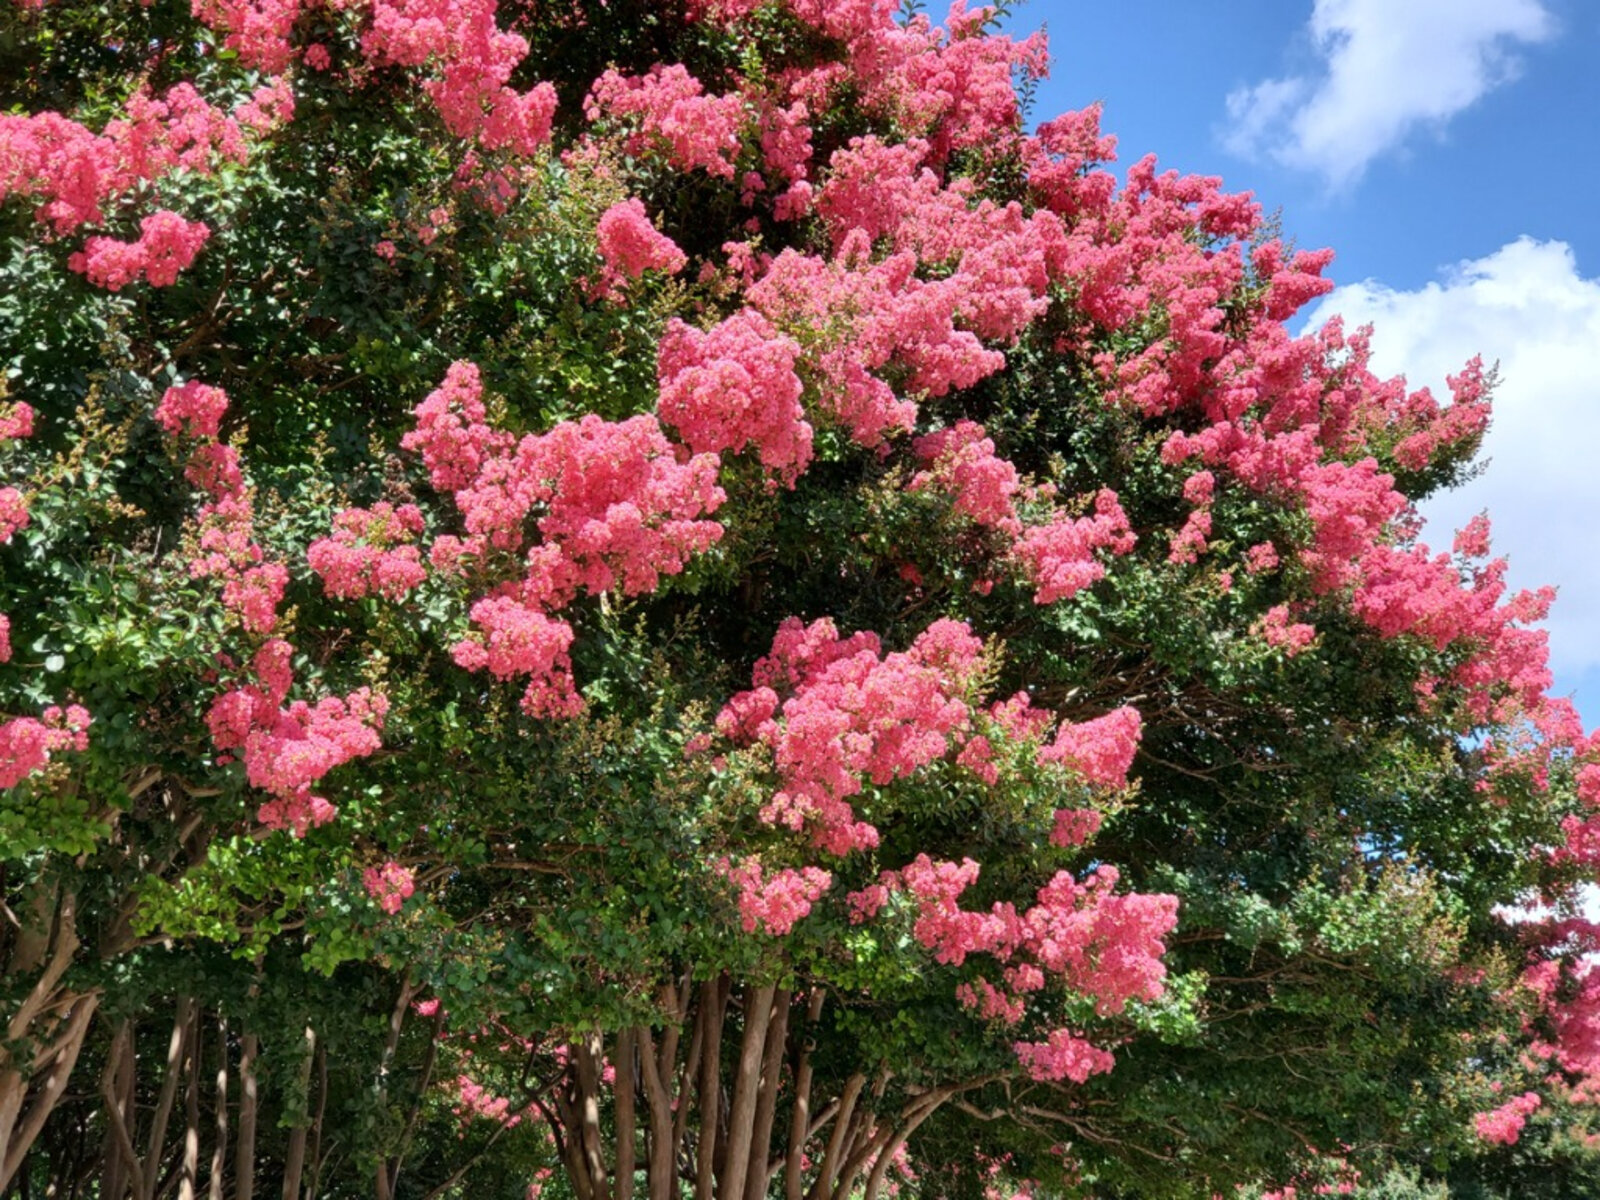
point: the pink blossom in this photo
(1074, 826)
(26, 744)
(1060, 556)
(390, 885)
(1280, 632)
(258, 30)
(991, 1003)
(666, 110)
(518, 641)
(192, 409)
(962, 463)
(286, 750)
(1101, 750)
(269, 106)
(735, 386)
(167, 244)
(16, 421)
(1503, 1125)
(450, 432)
(621, 509)
(1064, 1056)
(776, 902)
(1108, 946)
(630, 245)
(1263, 556)
(13, 513)
(371, 550)
(472, 59)
(853, 716)
(867, 903)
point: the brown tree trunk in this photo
(24, 1123)
(177, 1047)
(322, 1112)
(710, 1089)
(244, 1153)
(397, 1019)
(800, 1113)
(662, 1167)
(189, 1172)
(746, 1093)
(116, 1086)
(295, 1155)
(217, 1182)
(51, 1021)
(761, 1171)
(625, 1072)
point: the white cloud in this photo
(1527, 306)
(1384, 68)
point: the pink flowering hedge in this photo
(663, 598)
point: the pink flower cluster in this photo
(667, 112)
(1103, 945)
(74, 174)
(13, 513)
(1074, 826)
(26, 743)
(623, 510)
(1060, 555)
(1064, 1056)
(472, 59)
(630, 246)
(836, 712)
(16, 422)
(961, 462)
(166, 245)
(1061, 158)
(775, 902)
(786, 154)
(390, 885)
(1301, 418)
(993, 266)
(735, 386)
(258, 30)
(1189, 542)
(620, 509)
(952, 85)
(516, 640)
(470, 56)
(192, 410)
(1002, 259)
(1099, 751)
(371, 550)
(1503, 1125)
(286, 750)
(1278, 631)
(852, 715)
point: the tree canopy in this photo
(652, 598)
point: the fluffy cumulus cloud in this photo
(1381, 70)
(1528, 306)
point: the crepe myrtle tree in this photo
(655, 599)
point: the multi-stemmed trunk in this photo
(695, 1104)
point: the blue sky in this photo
(1449, 152)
